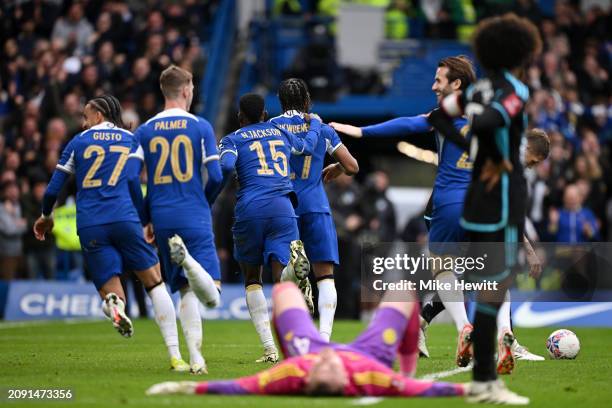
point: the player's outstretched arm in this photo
(226, 387)
(423, 388)
(349, 130)
(285, 378)
(398, 127)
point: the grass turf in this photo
(105, 370)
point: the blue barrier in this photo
(47, 300)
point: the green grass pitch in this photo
(105, 370)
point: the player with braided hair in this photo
(108, 224)
(315, 223)
(110, 108)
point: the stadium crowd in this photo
(55, 55)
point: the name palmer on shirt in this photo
(171, 124)
(259, 133)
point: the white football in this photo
(563, 344)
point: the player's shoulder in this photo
(174, 113)
(327, 130)
(286, 116)
(230, 138)
(103, 131)
(276, 119)
(514, 85)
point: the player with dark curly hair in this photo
(494, 208)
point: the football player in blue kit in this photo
(315, 223)
(265, 228)
(108, 224)
(445, 206)
(452, 180)
(176, 147)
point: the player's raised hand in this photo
(491, 172)
(349, 130)
(332, 171)
(42, 226)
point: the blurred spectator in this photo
(574, 223)
(54, 56)
(73, 29)
(40, 255)
(71, 114)
(223, 213)
(344, 198)
(378, 211)
(316, 64)
(415, 230)
(12, 227)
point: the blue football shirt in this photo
(306, 170)
(175, 146)
(97, 157)
(262, 152)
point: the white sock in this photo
(453, 300)
(258, 309)
(165, 317)
(288, 274)
(201, 282)
(503, 317)
(191, 322)
(328, 299)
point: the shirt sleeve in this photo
(136, 150)
(487, 111)
(285, 378)
(66, 162)
(332, 140)
(398, 127)
(209, 142)
(227, 145)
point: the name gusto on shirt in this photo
(107, 136)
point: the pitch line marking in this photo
(447, 373)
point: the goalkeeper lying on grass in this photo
(315, 367)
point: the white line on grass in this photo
(366, 401)
(447, 373)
